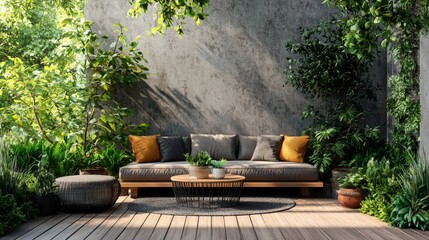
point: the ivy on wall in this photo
(398, 23)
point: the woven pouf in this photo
(87, 193)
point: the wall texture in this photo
(226, 75)
(424, 95)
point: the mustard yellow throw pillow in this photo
(294, 148)
(145, 148)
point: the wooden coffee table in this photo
(208, 193)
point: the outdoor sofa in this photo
(265, 161)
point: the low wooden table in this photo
(208, 193)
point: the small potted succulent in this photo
(351, 194)
(218, 170)
(199, 168)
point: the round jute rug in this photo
(247, 206)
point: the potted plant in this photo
(218, 170)
(199, 168)
(351, 194)
(44, 188)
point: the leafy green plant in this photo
(323, 70)
(355, 179)
(11, 214)
(113, 158)
(171, 14)
(218, 164)
(15, 205)
(201, 159)
(42, 184)
(382, 186)
(411, 205)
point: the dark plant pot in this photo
(93, 171)
(336, 174)
(327, 189)
(47, 204)
(350, 197)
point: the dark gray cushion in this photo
(171, 148)
(267, 148)
(218, 146)
(247, 145)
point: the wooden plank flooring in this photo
(309, 219)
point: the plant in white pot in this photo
(199, 168)
(218, 170)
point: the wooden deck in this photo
(310, 219)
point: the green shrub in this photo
(324, 71)
(112, 158)
(11, 215)
(411, 205)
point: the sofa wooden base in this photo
(305, 192)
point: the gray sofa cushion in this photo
(171, 148)
(267, 148)
(218, 146)
(252, 170)
(247, 145)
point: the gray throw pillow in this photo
(171, 148)
(247, 147)
(218, 146)
(267, 148)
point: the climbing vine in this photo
(398, 23)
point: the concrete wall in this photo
(226, 75)
(424, 95)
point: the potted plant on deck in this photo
(351, 194)
(218, 170)
(44, 188)
(199, 168)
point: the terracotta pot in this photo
(93, 171)
(218, 173)
(336, 174)
(199, 172)
(350, 197)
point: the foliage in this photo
(411, 206)
(400, 24)
(11, 215)
(42, 184)
(382, 184)
(112, 158)
(323, 70)
(171, 14)
(15, 205)
(218, 164)
(355, 179)
(200, 159)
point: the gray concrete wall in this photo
(226, 75)
(424, 95)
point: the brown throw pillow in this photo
(145, 148)
(267, 148)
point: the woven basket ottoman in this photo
(87, 193)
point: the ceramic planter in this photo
(350, 197)
(199, 172)
(218, 173)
